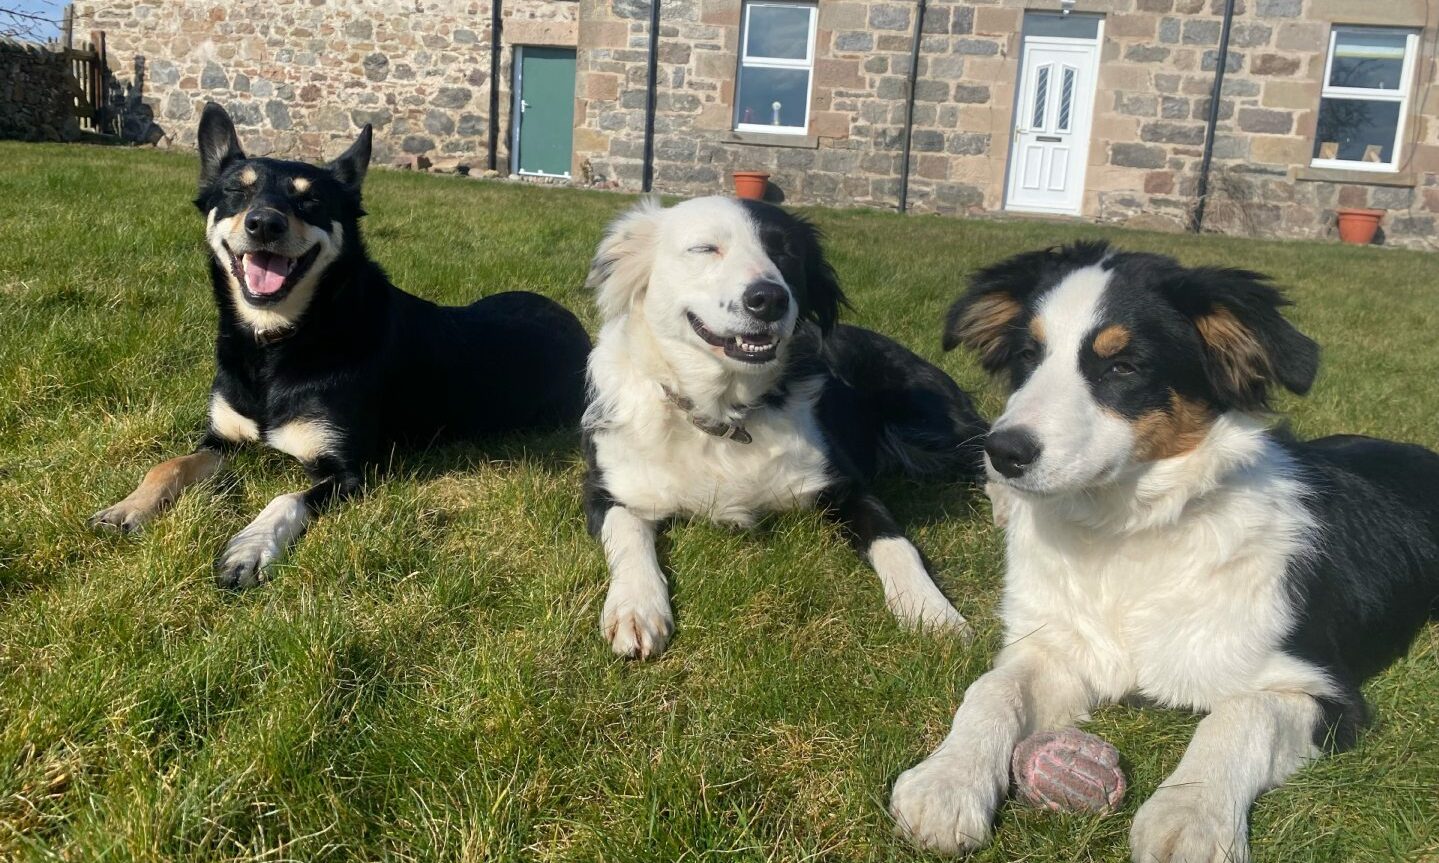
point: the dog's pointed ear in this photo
(218, 143)
(1249, 346)
(620, 271)
(350, 166)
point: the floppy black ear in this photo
(1249, 345)
(823, 296)
(219, 146)
(350, 167)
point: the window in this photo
(775, 66)
(1365, 99)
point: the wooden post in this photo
(69, 25)
(96, 99)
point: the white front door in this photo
(1053, 111)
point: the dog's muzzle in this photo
(754, 348)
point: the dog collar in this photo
(269, 337)
(731, 431)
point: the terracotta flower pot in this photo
(1357, 226)
(751, 184)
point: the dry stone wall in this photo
(35, 101)
(301, 77)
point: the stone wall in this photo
(1156, 74)
(300, 78)
(35, 101)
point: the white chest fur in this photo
(658, 464)
(1174, 587)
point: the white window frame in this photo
(807, 64)
(1399, 96)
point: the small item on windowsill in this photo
(1068, 771)
(1329, 150)
(1373, 153)
(750, 184)
(1357, 225)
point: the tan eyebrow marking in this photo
(300, 184)
(248, 176)
(1111, 340)
(1036, 329)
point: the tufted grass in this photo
(424, 679)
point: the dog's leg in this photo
(1245, 747)
(242, 564)
(947, 802)
(909, 592)
(636, 620)
(158, 490)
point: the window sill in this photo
(770, 139)
(1402, 179)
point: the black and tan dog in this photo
(321, 357)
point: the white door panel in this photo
(1052, 117)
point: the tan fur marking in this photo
(983, 325)
(248, 176)
(161, 485)
(229, 423)
(1036, 329)
(300, 184)
(1111, 340)
(1238, 351)
(1172, 431)
(306, 440)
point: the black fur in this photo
(1372, 579)
(380, 366)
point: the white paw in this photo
(1179, 825)
(932, 612)
(944, 805)
(242, 563)
(637, 622)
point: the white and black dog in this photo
(720, 386)
(319, 356)
(1162, 543)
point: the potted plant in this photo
(751, 184)
(1357, 225)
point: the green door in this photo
(545, 106)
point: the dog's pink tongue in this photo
(265, 273)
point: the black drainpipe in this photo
(1196, 224)
(495, 39)
(909, 106)
(651, 83)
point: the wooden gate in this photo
(89, 78)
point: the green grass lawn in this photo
(424, 679)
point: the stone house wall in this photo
(35, 102)
(1156, 73)
(301, 78)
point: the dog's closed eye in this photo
(704, 249)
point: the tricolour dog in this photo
(1163, 543)
(720, 386)
(321, 357)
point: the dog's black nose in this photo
(1012, 451)
(768, 301)
(265, 225)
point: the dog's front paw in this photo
(942, 804)
(637, 624)
(1178, 825)
(242, 564)
(127, 516)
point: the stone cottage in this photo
(1098, 109)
